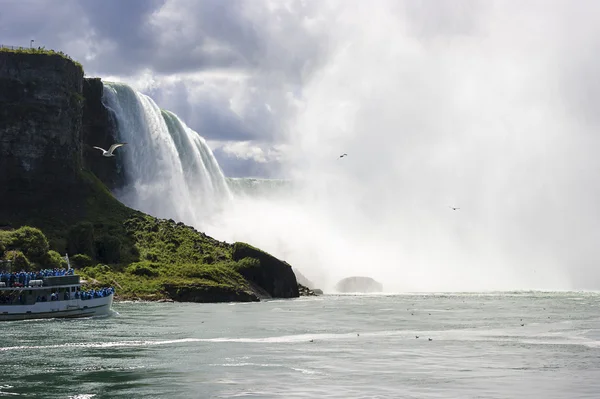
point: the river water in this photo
(489, 345)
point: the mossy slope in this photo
(141, 256)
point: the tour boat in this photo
(50, 293)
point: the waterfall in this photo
(169, 169)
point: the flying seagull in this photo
(453, 208)
(109, 153)
(343, 155)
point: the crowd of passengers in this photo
(22, 278)
(55, 296)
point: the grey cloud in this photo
(272, 47)
(233, 166)
(51, 24)
(124, 22)
(208, 113)
(434, 19)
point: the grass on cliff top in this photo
(40, 51)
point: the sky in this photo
(229, 69)
(235, 71)
(491, 106)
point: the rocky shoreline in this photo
(303, 291)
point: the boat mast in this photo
(67, 259)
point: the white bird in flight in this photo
(109, 153)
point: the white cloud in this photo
(248, 150)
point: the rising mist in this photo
(482, 106)
(474, 107)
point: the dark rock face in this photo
(100, 130)
(274, 276)
(40, 124)
(358, 284)
(207, 294)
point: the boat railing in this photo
(18, 297)
(48, 276)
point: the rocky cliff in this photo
(40, 127)
(99, 130)
(273, 275)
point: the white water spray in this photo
(436, 107)
(340, 217)
(170, 170)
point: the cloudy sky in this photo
(230, 69)
(235, 70)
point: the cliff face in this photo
(40, 124)
(100, 130)
(274, 276)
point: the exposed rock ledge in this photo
(207, 294)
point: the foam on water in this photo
(362, 346)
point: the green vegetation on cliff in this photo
(39, 51)
(27, 248)
(152, 259)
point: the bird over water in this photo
(110, 151)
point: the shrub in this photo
(81, 260)
(54, 260)
(152, 255)
(247, 263)
(95, 271)
(208, 259)
(143, 269)
(18, 259)
(2, 244)
(31, 241)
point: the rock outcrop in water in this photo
(50, 117)
(358, 284)
(201, 293)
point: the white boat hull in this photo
(71, 308)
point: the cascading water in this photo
(170, 170)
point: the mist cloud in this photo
(487, 108)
